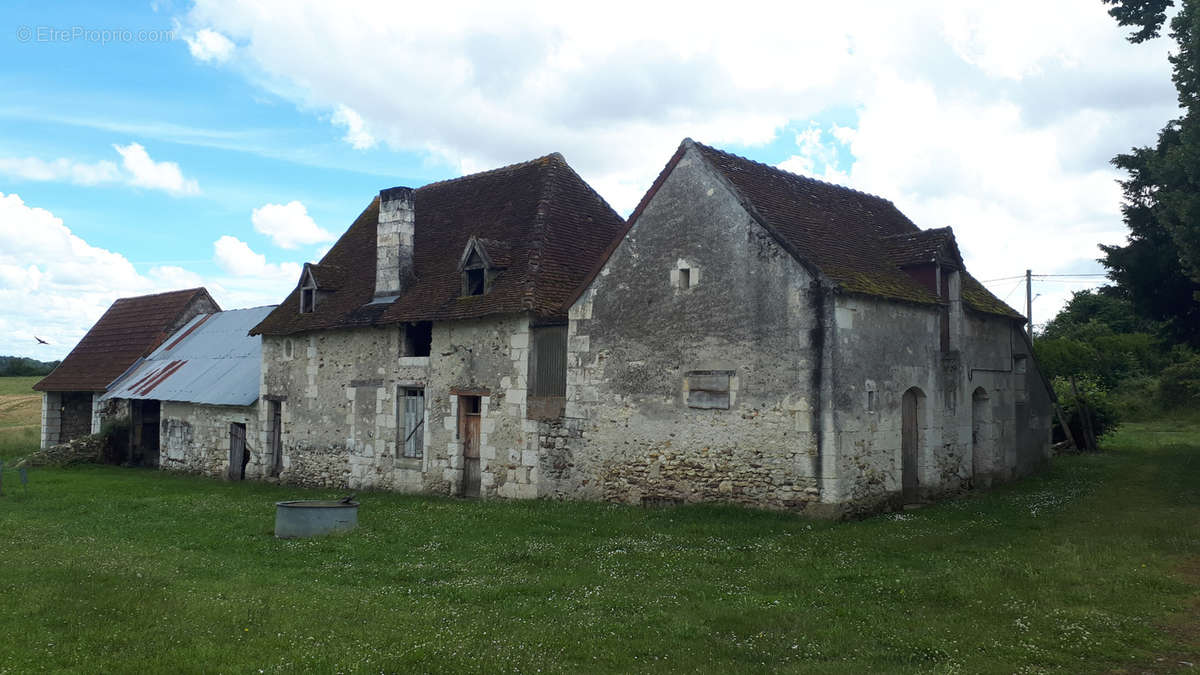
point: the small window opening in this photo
(308, 300)
(289, 349)
(685, 278)
(1020, 363)
(418, 338)
(474, 281)
(870, 401)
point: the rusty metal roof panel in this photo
(211, 360)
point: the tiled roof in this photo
(538, 220)
(857, 240)
(129, 330)
(924, 247)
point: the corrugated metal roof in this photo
(211, 360)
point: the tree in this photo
(1159, 269)
(1103, 311)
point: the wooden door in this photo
(237, 451)
(469, 415)
(909, 443)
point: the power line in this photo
(1047, 276)
(1019, 284)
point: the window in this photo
(477, 267)
(1020, 363)
(289, 348)
(411, 414)
(310, 293)
(474, 281)
(684, 276)
(548, 361)
(870, 400)
(708, 389)
(418, 339)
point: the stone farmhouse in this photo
(131, 329)
(748, 335)
(423, 350)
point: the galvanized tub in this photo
(312, 517)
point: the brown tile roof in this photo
(857, 240)
(538, 220)
(924, 247)
(129, 330)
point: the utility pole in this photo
(1029, 302)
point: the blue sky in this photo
(135, 160)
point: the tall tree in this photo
(1159, 268)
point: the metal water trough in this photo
(313, 517)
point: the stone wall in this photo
(195, 438)
(76, 415)
(339, 406)
(488, 357)
(974, 429)
(338, 395)
(696, 293)
(51, 418)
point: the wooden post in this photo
(1062, 422)
(1029, 302)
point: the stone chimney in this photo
(394, 242)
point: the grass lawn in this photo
(1092, 566)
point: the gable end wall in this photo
(634, 335)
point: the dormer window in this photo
(309, 295)
(478, 268)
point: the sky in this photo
(152, 146)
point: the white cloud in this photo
(237, 258)
(80, 173)
(288, 225)
(209, 46)
(145, 172)
(43, 265)
(967, 112)
(356, 130)
(137, 169)
(55, 285)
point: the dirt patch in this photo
(1183, 629)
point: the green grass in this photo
(1075, 570)
(13, 386)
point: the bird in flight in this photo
(40, 340)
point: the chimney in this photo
(394, 242)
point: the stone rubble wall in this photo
(194, 438)
(340, 424)
(629, 434)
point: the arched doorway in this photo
(910, 444)
(981, 433)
